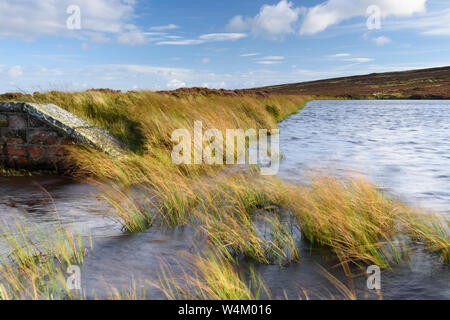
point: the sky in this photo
(159, 45)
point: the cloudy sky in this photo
(154, 44)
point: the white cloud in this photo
(15, 72)
(29, 19)
(268, 62)
(347, 57)
(175, 84)
(222, 36)
(332, 12)
(434, 24)
(273, 58)
(187, 42)
(211, 37)
(250, 54)
(340, 55)
(382, 40)
(206, 60)
(165, 28)
(132, 36)
(359, 60)
(272, 21)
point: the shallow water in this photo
(401, 145)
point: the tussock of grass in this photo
(214, 278)
(361, 223)
(430, 230)
(351, 216)
(33, 265)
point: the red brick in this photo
(19, 151)
(36, 152)
(44, 137)
(17, 122)
(67, 142)
(53, 153)
(16, 136)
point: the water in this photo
(401, 145)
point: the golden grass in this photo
(34, 263)
(351, 216)
(213, 278)
(145, 120)
(361, 223)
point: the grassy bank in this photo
(239, 213)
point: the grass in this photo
(145, 120)
(34, 263)
(353, 217)
(239, 213)
(213, 278)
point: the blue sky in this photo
(158, 45)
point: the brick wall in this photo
(26, 142)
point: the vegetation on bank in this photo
(36, 260)
(238, 212)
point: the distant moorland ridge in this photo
(431, 83)
(415, 84)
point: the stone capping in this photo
(71, 125)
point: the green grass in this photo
(35, 260)
(213, 278)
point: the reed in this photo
(34, 263)
(213, 278)
(360, 222)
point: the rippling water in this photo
(402, 145)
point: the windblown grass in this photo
(431, 230)
(145, 120)
(361, 223)
(213, 278)
(34, 263)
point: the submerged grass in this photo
(34, 262)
